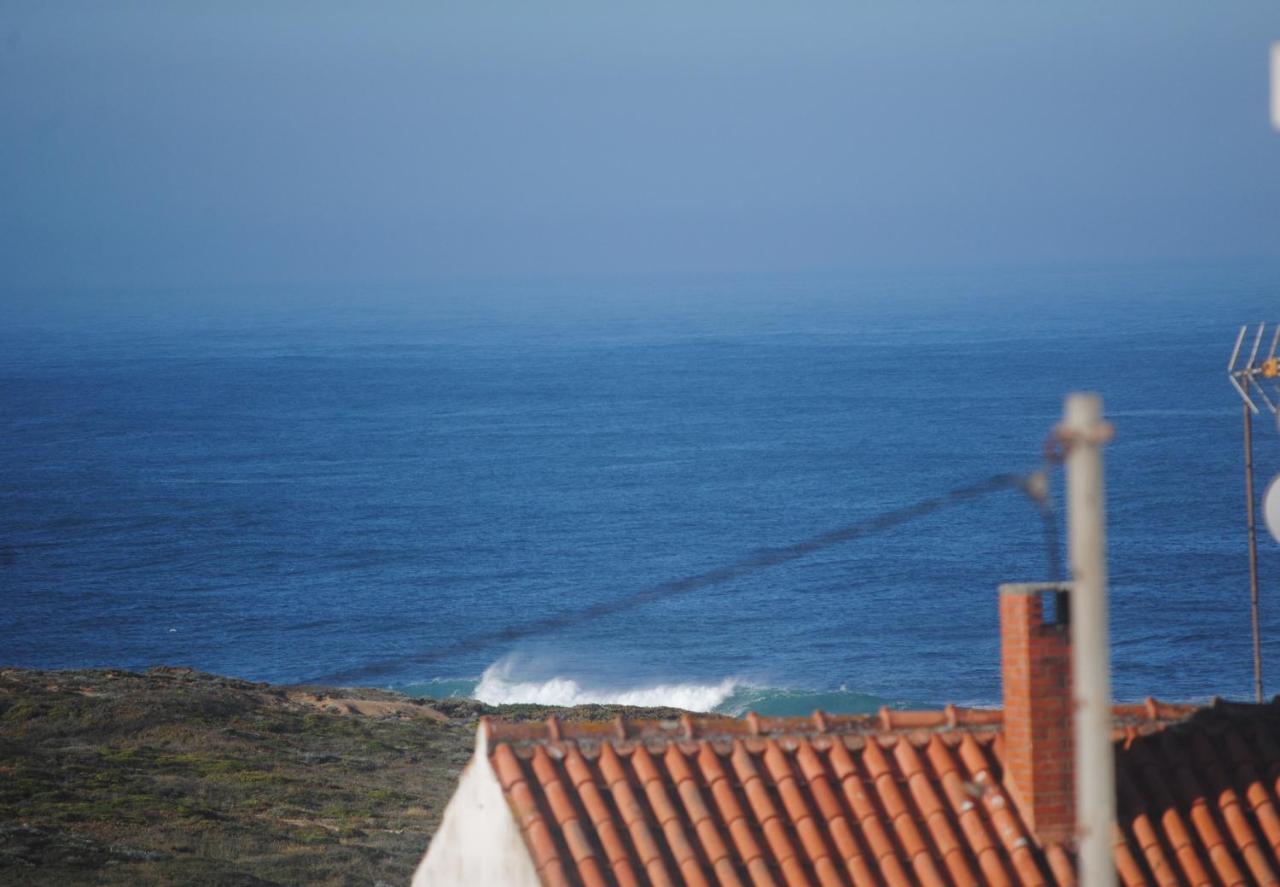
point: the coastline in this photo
(177, 776)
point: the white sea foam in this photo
(497, 687)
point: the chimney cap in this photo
(1021, 588)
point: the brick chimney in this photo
(1035, 663)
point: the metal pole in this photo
(1253, 546)
(1084, 433)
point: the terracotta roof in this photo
(890, 799)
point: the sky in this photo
(234, 143)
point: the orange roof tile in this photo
(896, 798)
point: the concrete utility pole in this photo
(1275, 85)
(1083, 432)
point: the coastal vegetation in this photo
(176, 776)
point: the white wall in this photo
(479, 843)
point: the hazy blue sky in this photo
(153, 144)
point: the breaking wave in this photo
(497, 689)
(501, 685)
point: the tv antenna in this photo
(1254, 376)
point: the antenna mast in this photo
(1246, 379)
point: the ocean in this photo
(291, 485)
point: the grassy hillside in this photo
(174, 776)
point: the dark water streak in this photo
(768, 557)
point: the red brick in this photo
(1036, 673)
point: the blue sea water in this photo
(287, 485)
